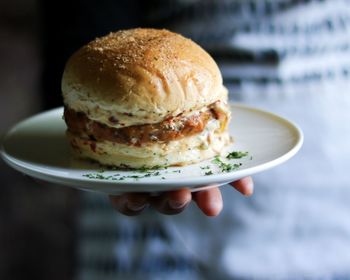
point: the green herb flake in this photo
(208, 173)
(115, 177)
(143, 169)
(224, 166)
(97, 176)
(160, 167)
(205, 167)
(236, 155)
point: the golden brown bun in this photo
(140, 76)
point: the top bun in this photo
(140, 76)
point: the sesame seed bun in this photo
(140, 76)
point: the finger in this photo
(209, 201)
(130, 204)
(171, 203)
(245, 186)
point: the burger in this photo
(142, 98)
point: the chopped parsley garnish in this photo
(205, 167)
(144, 169)
(208, 173)
(236, 154)
(97, 176)
(115, 177)
(224, 166)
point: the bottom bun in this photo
(175, 153)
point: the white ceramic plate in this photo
(38, 148)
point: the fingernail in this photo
(250, 189)
(174, 204)
(135, 206)
(216, 205)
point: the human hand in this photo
(174, 202)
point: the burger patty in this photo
(173, 128)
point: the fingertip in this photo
(209, 201)
(171, 203)
(213, 211)
(129, 204)
(245, 186)
(179, 199)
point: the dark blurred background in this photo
(36, 222)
